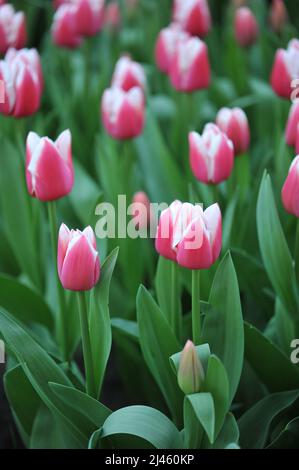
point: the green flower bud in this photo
(190, 373)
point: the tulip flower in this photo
(190, 374)
(128, 74)
(64, 27)
(190, 68)
(211, 155)
(12, 28)
(234, 123)
(193, 16)
(285, 69)
(49, 167)
(246, 27)
(190, 236)
(112, 17)
(292, 124)
(141, 209)
(21, 74)
(278, 15)
(123, 112)
(290, 190)
(166, 45)
(90, 16)
(77, 260)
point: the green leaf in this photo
(23, 303)
(274, 249)
(163, 283)
(40, 369)
(126, 327)
(203, 407)
(94, 411)
(99, 320)
(228, 434)
(158, 343)
(16, 212)
(146, 423)
(216, 382)
(23, 401)
(275, 369)
(288, 438)
(255, 423)
(223, 325)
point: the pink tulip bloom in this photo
(292, 124)
(193, 16)
(112, 16)
(12, 28)
(22, 77)
(78, 260)
(141, 209)
(190, 68)
(123, 112)
(90, 16)
(190, 236)
(285, 69)
(128, 74)
(278, 15)
(64, 27)
(246, 27)
(49, 166)
(290, 190)
(211, 155)
(166, 45)
(234, 123)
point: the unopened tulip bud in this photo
(141, 209)
(123, 112)
(193, 15)
(166, 45)
(112, 18)
(64, 28)
(290, 190)
(190, 67)
(246, 27)
(21, 74)
(234, 123)
(78, 260)
(190, 374)
(128, 74)
(90, 16)
(278, 15)
(285, 69)
(211, 155)
(12, 28)
(292, 124)
(190, 236)
(49, 167)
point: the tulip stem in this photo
(60, 317)
(196, 321)
(174, 288)
(90, 384)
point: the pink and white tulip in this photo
(49, 166)
(246, 27)
(12, 28)
(166, 45)
(285, 69)
(190, 236)
(290, 190)
(193, 15)
(23, 83)
(90, 16)
(190, 67)
(211, 155)
(278, 15)
(123, 112)
(128, 74)
(234, 123)
(78, 260)
(64, 27)
(292, 124)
